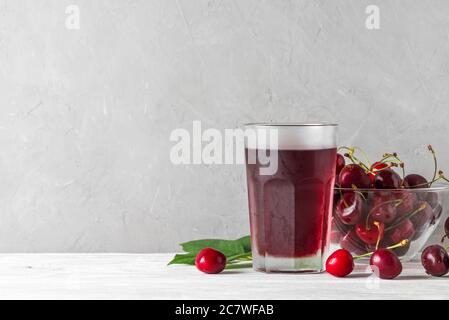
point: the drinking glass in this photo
(290, 177)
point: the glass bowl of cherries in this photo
(379, 206)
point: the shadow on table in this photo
(358, 275)
(414, 277)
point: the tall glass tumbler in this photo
(290, 175)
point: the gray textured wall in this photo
(85, 115)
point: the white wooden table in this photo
(146, 276)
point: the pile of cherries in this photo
(377, 215)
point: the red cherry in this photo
(340, 163)
(430, 197)
(340, 263)
(387, 179)
(435, 260)
(349, 208)
(371, 233)
(383, 209)
(379, 196)
(404, 231)
(353, 175)
(423, 216)
(412, 181)
(209, 260)
(375, 168)
(407, 204)
(385, 264)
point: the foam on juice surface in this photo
(292, 137)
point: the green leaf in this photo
(246, 243)
(227, 247)
(240, 257)
(230, 248)
(185, 258)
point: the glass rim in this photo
(430, 189)
(290, 124)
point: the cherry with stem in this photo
(341, 263)
(402, 243)
(397, 202)
(411, 214)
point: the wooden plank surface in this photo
(146, 276)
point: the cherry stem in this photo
(246, 255)
(239, 266)
(377, 224)
(435, 162)
(398, 162)
(442, 239)
(354, 159)
(398, 245)
(384, 158)
(402, 166)
(428, 184)
(394, 160)
(411, 214)
(343, 198)
(381, 169)
(355, 190)
(364, 155)
(397, 202)
(441, 176)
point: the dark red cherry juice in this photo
(290, 210)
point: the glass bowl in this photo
(364, 219)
